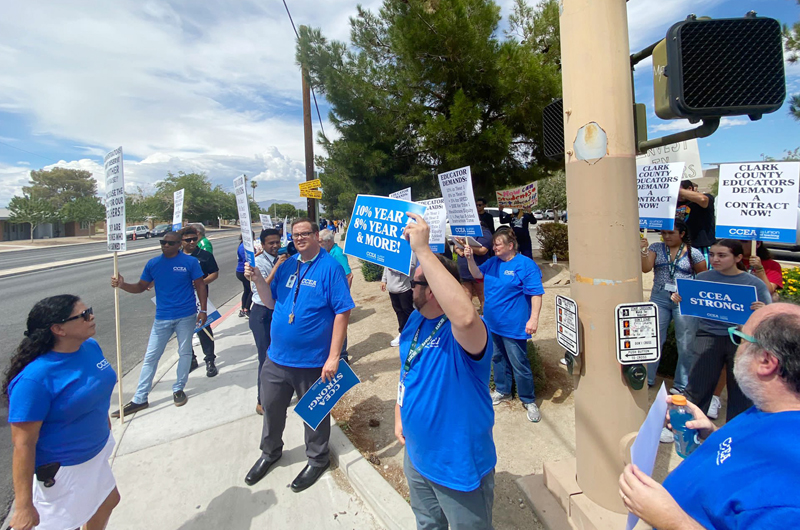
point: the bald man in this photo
(744, 475)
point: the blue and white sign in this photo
(658, 186)
(436, 217)
(243, 206)
(758, 201)
(724, 302)
(177, 212)
(375, 233)
(212, 313)
(459, 199)
(115, 201)
(323, 396)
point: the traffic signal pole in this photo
(605, 263)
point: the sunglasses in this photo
(414, 283)
(165, 242)
(86, 315)
(190, 240)
(737, 336)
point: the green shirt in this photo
(337, 254)
(205, 244)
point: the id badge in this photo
(291, 280)
(401, 391)
(671, 287)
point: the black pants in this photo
(260, 322)
(403, 305)
(278, 383)
(207, 343)
(247, 293)
(714, 351)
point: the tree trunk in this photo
(33, 227)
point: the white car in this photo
(141, 231)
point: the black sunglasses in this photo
(165, 242)
(190, 239)
(86, 315)
(414, 283)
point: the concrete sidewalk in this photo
(184, 467)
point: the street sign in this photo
(638, 338)
(311, 194)
(310, 184)
(567, 332)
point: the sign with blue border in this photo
(177, 212)
(658, 186)
(724, 302)
(375, 233)
(243, 206)
(323, 396)
(459, 199)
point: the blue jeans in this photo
(685, 330)
(436, 507)
(159, 336)
(512, 355)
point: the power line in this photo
(313, 94)
(30, 153)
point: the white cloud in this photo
(684, 125)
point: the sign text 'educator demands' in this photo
(436, 217)
(658, 186)
(115, 201)
(456, 188)
(376, 228)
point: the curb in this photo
(384, 501)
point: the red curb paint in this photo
(221, 319)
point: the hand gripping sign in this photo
(323, 396)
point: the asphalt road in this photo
(90, 281)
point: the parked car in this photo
(141, 231)
(160, 230)
(538, 215)
(549, 214)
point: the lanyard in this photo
(415, 350)
(298, 281)
(674, 264)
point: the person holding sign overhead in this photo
(697, 211)
(713, 348)
(311, 306)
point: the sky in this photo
(213, 87)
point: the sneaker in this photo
(194, 365)
(675, 391)
(563, 361)
(211, 370)
(533, 412)
(666, 436)
(241, 313)
(180, 398)
(130, 408)
(713, 409)
(395, 341)
(498, 398)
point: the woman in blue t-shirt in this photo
(58, 387)
(513, 287)
(673, 258)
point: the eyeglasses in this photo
(86, 315)
(302, 235)
(737, 336)
(190, 240)
(165, 242)
(414, 283)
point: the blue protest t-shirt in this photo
(174, 279)
(322, 293)
(447, 413)
(70, 393)
(338, 254)
(241, 258)
(508, 287)
(745, 475)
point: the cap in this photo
(679, 400)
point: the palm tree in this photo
(254, 185)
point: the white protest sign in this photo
(403, 195)
(568, 330)
(115, 202)
(243, 205)
(459, 199)
(638, 338)
(687, 152)
(758, 201)
(436, 217)
(266, 221)
(658, 194)
(177, 213)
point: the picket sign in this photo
(459, 200)
(177, 212)
(243, 206)
(658, 186)
(320, 399)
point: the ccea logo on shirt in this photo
(434, 343)
(724, 451)
(508, 273)
(102, 365)
(178, 269)
(309, 283)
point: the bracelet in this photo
(201, 311)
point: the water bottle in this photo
(685, 438)
(555, 259)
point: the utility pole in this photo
(604, 256)
(309, 140)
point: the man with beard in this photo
(744, 475)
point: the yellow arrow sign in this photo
(310, 184)
(311, 194)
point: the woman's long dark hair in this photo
(736, 248)
(38, 337)
(679, 227)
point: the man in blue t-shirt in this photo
(176, 276)
(743, 475)
(311, 305)
(444, 414)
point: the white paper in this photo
(115, 202)
(266, 221)
(658, 186)
(645, 447)
(459, 200)
(243, 205)
(177, 213)
(687, 152)
(403, 195)
(436, 218)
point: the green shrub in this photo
(554, 239)
(372, 272)
(791, 282)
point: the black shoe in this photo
(194, 365)
(130, 408)
(180, 398)
(258, 470)
(241, 313)
(307, 477)
(211, 370)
